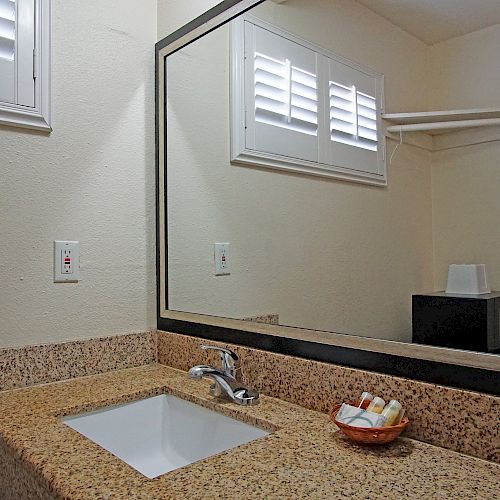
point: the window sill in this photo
(260, 159)
(24, 118)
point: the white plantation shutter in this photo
(353, 117)
(354, 107)
(282, 94)
(17, 42)
(7, 50)
(367, 121)
(7, 29)
(285, 96)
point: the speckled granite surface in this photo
(37, 364)
(475, 430)
(303, 457)
(464, 421)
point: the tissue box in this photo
(467, 279)
(356, 417)
(458, 321)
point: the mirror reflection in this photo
(328, 161)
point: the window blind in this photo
(353, 117)
(7, 29)
(285, 96)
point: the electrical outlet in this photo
(221, 259)
(66, 261)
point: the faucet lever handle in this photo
(230, 363)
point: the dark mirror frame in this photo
(400, 359)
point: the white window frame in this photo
(38, 117)
(241, 154)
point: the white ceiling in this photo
(434, 21)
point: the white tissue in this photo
(469, 279)
(350, 415)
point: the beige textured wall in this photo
(323, 254)
(466, 210)
(465, 72)
(173, 14)
(91, 180)
(466, 180)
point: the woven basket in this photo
(374, 435)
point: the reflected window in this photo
(24, 63)
(300, 107)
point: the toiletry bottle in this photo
(391, 412)
(365, 399)
(377, 405)
(399, 417)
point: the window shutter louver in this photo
(353, 117)
(285, 96)
(7, 29)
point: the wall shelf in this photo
(442, 122)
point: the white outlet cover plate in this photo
(221, 259)
(66, 261)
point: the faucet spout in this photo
(225, 385)
(198, 371)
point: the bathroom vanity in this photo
(303, 455)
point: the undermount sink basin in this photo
(162, 433)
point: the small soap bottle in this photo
(400, 417)
(365, 399)
(376, 406)
(391, 412)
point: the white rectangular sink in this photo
(162, 433)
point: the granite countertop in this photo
(303, 457)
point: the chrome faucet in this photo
(226, 379)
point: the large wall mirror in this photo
(328, 182)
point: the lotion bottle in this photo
(377, 405)
(391, 412)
